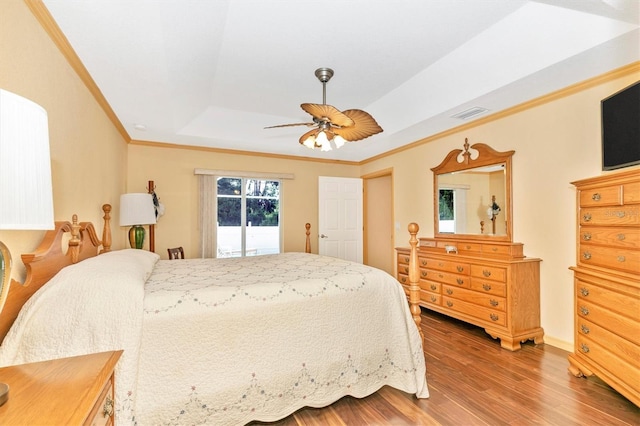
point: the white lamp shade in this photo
(26, 195)
(137, 209)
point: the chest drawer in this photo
(623, 237)
(625, 349)
(445, 277)
(620, 302)
(615, 215)
(604, 196)
(403, 259)
(432, 286)
(489, 272)
(608, 359)
(621, 259)
(623, 326)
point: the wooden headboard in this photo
(50, 257)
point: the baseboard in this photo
(561, 344)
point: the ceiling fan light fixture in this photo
(339, 141)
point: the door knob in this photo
(324, 236)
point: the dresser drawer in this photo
(616, 323)
(430, 298)
(486, 315)
(620, 259)
(623, 237)
(489, 272)
(446, 277)
(404, 279)
(615, 215)
(489, 287)
(622, 303)
(607, 360)
(431, 286)
(603, 196)
(623, 348)
(403, 259)
(445, 265)
(477, 298)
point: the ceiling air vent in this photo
(471, 112)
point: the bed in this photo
(216, 341)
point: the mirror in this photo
(472, 194)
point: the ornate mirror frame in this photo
(477, 156)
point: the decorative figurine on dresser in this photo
(472, 272)
(607, 282)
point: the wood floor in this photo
(472, 381)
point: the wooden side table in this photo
(68, 391)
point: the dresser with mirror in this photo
(471, 269)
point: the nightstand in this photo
(68, 391)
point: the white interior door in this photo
(340, 218)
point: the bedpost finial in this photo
(413, 228)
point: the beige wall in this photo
(556, 143)
(88, 155)
(172, 170)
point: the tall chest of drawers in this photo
(491, 285)
(607, 282)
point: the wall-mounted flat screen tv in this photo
(621, 128)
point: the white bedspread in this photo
(227, 341)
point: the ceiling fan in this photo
(331, 125)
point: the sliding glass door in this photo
(248, 216)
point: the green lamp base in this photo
(136, 236)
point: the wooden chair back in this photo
(175, 253)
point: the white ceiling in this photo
(214, 73)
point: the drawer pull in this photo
(621, 237)
(423, 273)
(424, 263)
(586, 217)
(584, 329)
(595, 197)
(621, 259)
(460, 268)
(406, 259)
(468, 247)
(406, 270)
(107, 410)
(486, 273)
(449, 291)
(441, 264)
(486, 287)
(620, 214)
(433, 299)
(493, 302)
(460, 281)
(449, 304)
(586, 255)
(584, 348)
(494, 248)
(586, 236)
(584, 291)
(440, 276)
(433, 287)
(584, 310)
(494, 317)
(403, 279)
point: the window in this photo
(247, 216)
(452, 201)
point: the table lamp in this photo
(26, 195)
(137, 210)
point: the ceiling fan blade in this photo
(365, 126)
(291, 125)
(324, 112)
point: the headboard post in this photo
(307, 246)
(106, 229)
